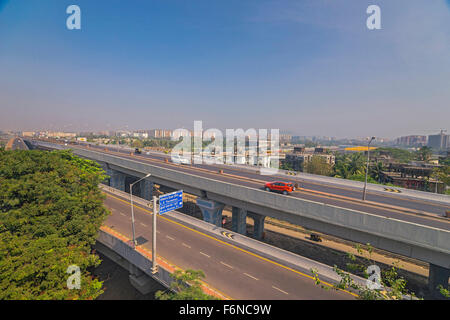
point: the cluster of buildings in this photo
(438, 142)
(301, 155)
(48, 134)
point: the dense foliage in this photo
(391, 285)
(318, 165)
(50, 211)
(181, 291)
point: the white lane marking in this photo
(157, 231)
(227, 265)
(184, 244)
(250, 276)
(143, 224)
(113, 210)
(205, 254)
(280, 290)
(122, 214)
(169, 237)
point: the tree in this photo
(442, 174)
(50, 212)
(341, 168)
(346, 166)
(137, 144)
(186, 285)
(391, 286)
(318, 165)
(376, 171)
(356, 164)
(397, 154)
(424, 153)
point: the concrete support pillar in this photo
(118, 180)
(438, 276)
(239, 220)
(140, 281)
(109, 173)
(258, 225)
(211, 210)
(135, 271)
(146, 188)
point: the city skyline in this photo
(309, 68)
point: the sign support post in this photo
(155, 212)
(167, 202)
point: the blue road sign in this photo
(170, 201)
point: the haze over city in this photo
(306, 67)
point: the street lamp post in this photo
(132, 211)
(367, 168)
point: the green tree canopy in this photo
(185, 286)
(50, 211)
(424, 153)
(318, 165)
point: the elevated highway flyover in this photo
(401, 230)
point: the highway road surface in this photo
(16, 144)
(237, 273)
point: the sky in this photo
(308, 67)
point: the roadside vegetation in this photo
(186, 285)
(390, 285)
(50, 212)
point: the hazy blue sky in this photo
(307, 66)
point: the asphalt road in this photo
(16, 144)
(236, 273)
(325, 194)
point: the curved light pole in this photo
(367, 168)
(132, 211)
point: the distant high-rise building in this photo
(411, 141)
(140, 134)
(160, 133)
(439, 141)
(28, 134)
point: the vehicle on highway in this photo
(180, 160)
(137, 151)
(280, 186)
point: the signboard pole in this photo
(155, 212)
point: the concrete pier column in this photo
(118, 180)
(239, 220)
(438, 276)
(211, 210)
(258, 225)
(109, 173)
(146, 188)
(140, 281)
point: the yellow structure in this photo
(359, 148)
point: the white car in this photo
(180, 160)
